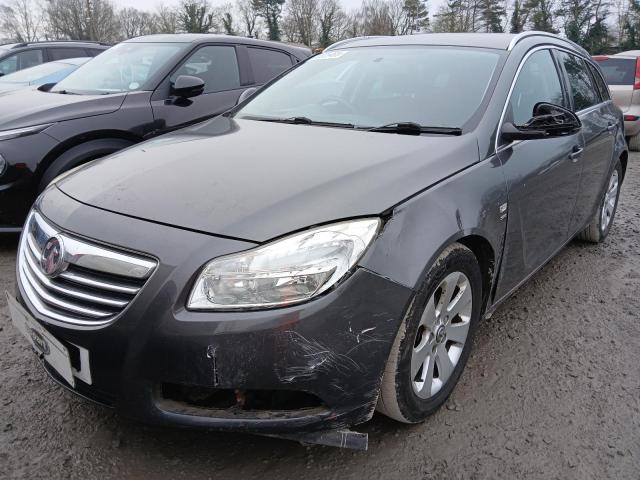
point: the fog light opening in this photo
(239, 400)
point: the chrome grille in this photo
(94, 284)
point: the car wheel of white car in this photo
(634, 143)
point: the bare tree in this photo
(376, 18)
(398, 16)
(165, 19)
(134, 23)
(332, 23)
(82, 20)
(22, 20)
(249, 17)
(227, 17)
(303, 14)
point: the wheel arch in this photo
(485, 255)
(80, 149)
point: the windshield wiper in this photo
(412, 128)
(301, 121)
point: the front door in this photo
(542, 176)
(217, 66)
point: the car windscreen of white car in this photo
(370, 87)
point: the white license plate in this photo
(45, 344)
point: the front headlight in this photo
(22, 132)
(286, 271)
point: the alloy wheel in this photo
(442, 334)
(609, 204)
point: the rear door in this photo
(620, 75)
(599, 125)
(224, 80)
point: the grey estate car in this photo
(328, 247)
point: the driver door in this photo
(218, 67)
(542, 176)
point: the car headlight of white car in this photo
(286, 271)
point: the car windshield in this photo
(124, 68)
(375, 86)
(34, 73)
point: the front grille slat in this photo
(79, 295)
(70, 292)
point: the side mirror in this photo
(187, 86)
(246, 94)
(548, 121)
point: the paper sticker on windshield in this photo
(332, 55)
(133, 85)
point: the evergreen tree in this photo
(518, 17)
(541, 15)
(270, 11)
(492, 12)
(417, 15)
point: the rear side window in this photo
(62, 53)
(582, 89)
(602, 87)
(217, 66)
(268, 64)
(538, 81)
(618, 71)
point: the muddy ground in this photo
(552, 390)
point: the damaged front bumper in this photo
(306, 368)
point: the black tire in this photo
(596, 232)
(397, 399)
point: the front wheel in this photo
(602, 220)
(434, 341)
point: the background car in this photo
(135, 90)
(18, 56)
(622, 73)
(46, 73)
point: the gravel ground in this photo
(551, 391)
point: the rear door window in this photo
(217, 66)
(62, 53)
(602, 87)
(618, 71)
(267, 64)
(582, 88)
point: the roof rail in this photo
(26, 44)
(533, 33)
(350, 40)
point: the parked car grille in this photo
(90, 285)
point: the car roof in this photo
(299, 51)
(58, 43)
(498, 41)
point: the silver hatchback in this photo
(622, 73)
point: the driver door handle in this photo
(576, 153)
(611, 127)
